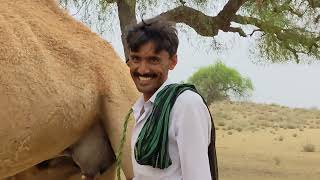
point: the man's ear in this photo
(128, 62)
(173, 62)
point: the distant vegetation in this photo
(219, 82)
(252, 117)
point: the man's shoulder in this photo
(189, 97)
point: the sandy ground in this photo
(262, 156)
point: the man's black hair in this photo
(162, 33)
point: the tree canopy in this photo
(219, 82)
(285, 30)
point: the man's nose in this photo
(144, 67)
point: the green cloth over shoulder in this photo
(151, 147)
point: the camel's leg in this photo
(114, 113)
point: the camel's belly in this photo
(41, 115)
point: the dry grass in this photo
(247, 116)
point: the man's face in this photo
(149, 70)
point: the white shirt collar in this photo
(140, 102)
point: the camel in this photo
(59, 82)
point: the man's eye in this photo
(135, 59)
(154, 60)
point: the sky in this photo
(290, 84)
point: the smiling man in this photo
(174, 135)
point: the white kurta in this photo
(189, 138)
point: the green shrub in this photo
(219, 82)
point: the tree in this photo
(219, 82)
(285, 30)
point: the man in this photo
(173, 137)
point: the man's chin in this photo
(146, 89)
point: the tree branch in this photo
(210, 25)
(314, 3)
(316, 20)
(269, 27)
(256, 30)
(237, 30)
(229, 11)
(305, 38)
(203, 24)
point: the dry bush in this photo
(291, 126)
(229, 133)
(312, 127)
(230, 127)
(277, 160)
(309, 148)
(280, 138)
(295, 135)
(221, 123)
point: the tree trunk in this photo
(127, 16)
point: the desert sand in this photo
(267, 142)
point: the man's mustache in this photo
(136, 74)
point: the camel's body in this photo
(56, 79)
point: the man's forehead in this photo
(147, 49)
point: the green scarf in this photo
(151, 147)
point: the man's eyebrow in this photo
(133, 55)
(153, 56)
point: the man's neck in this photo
(147, 97)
